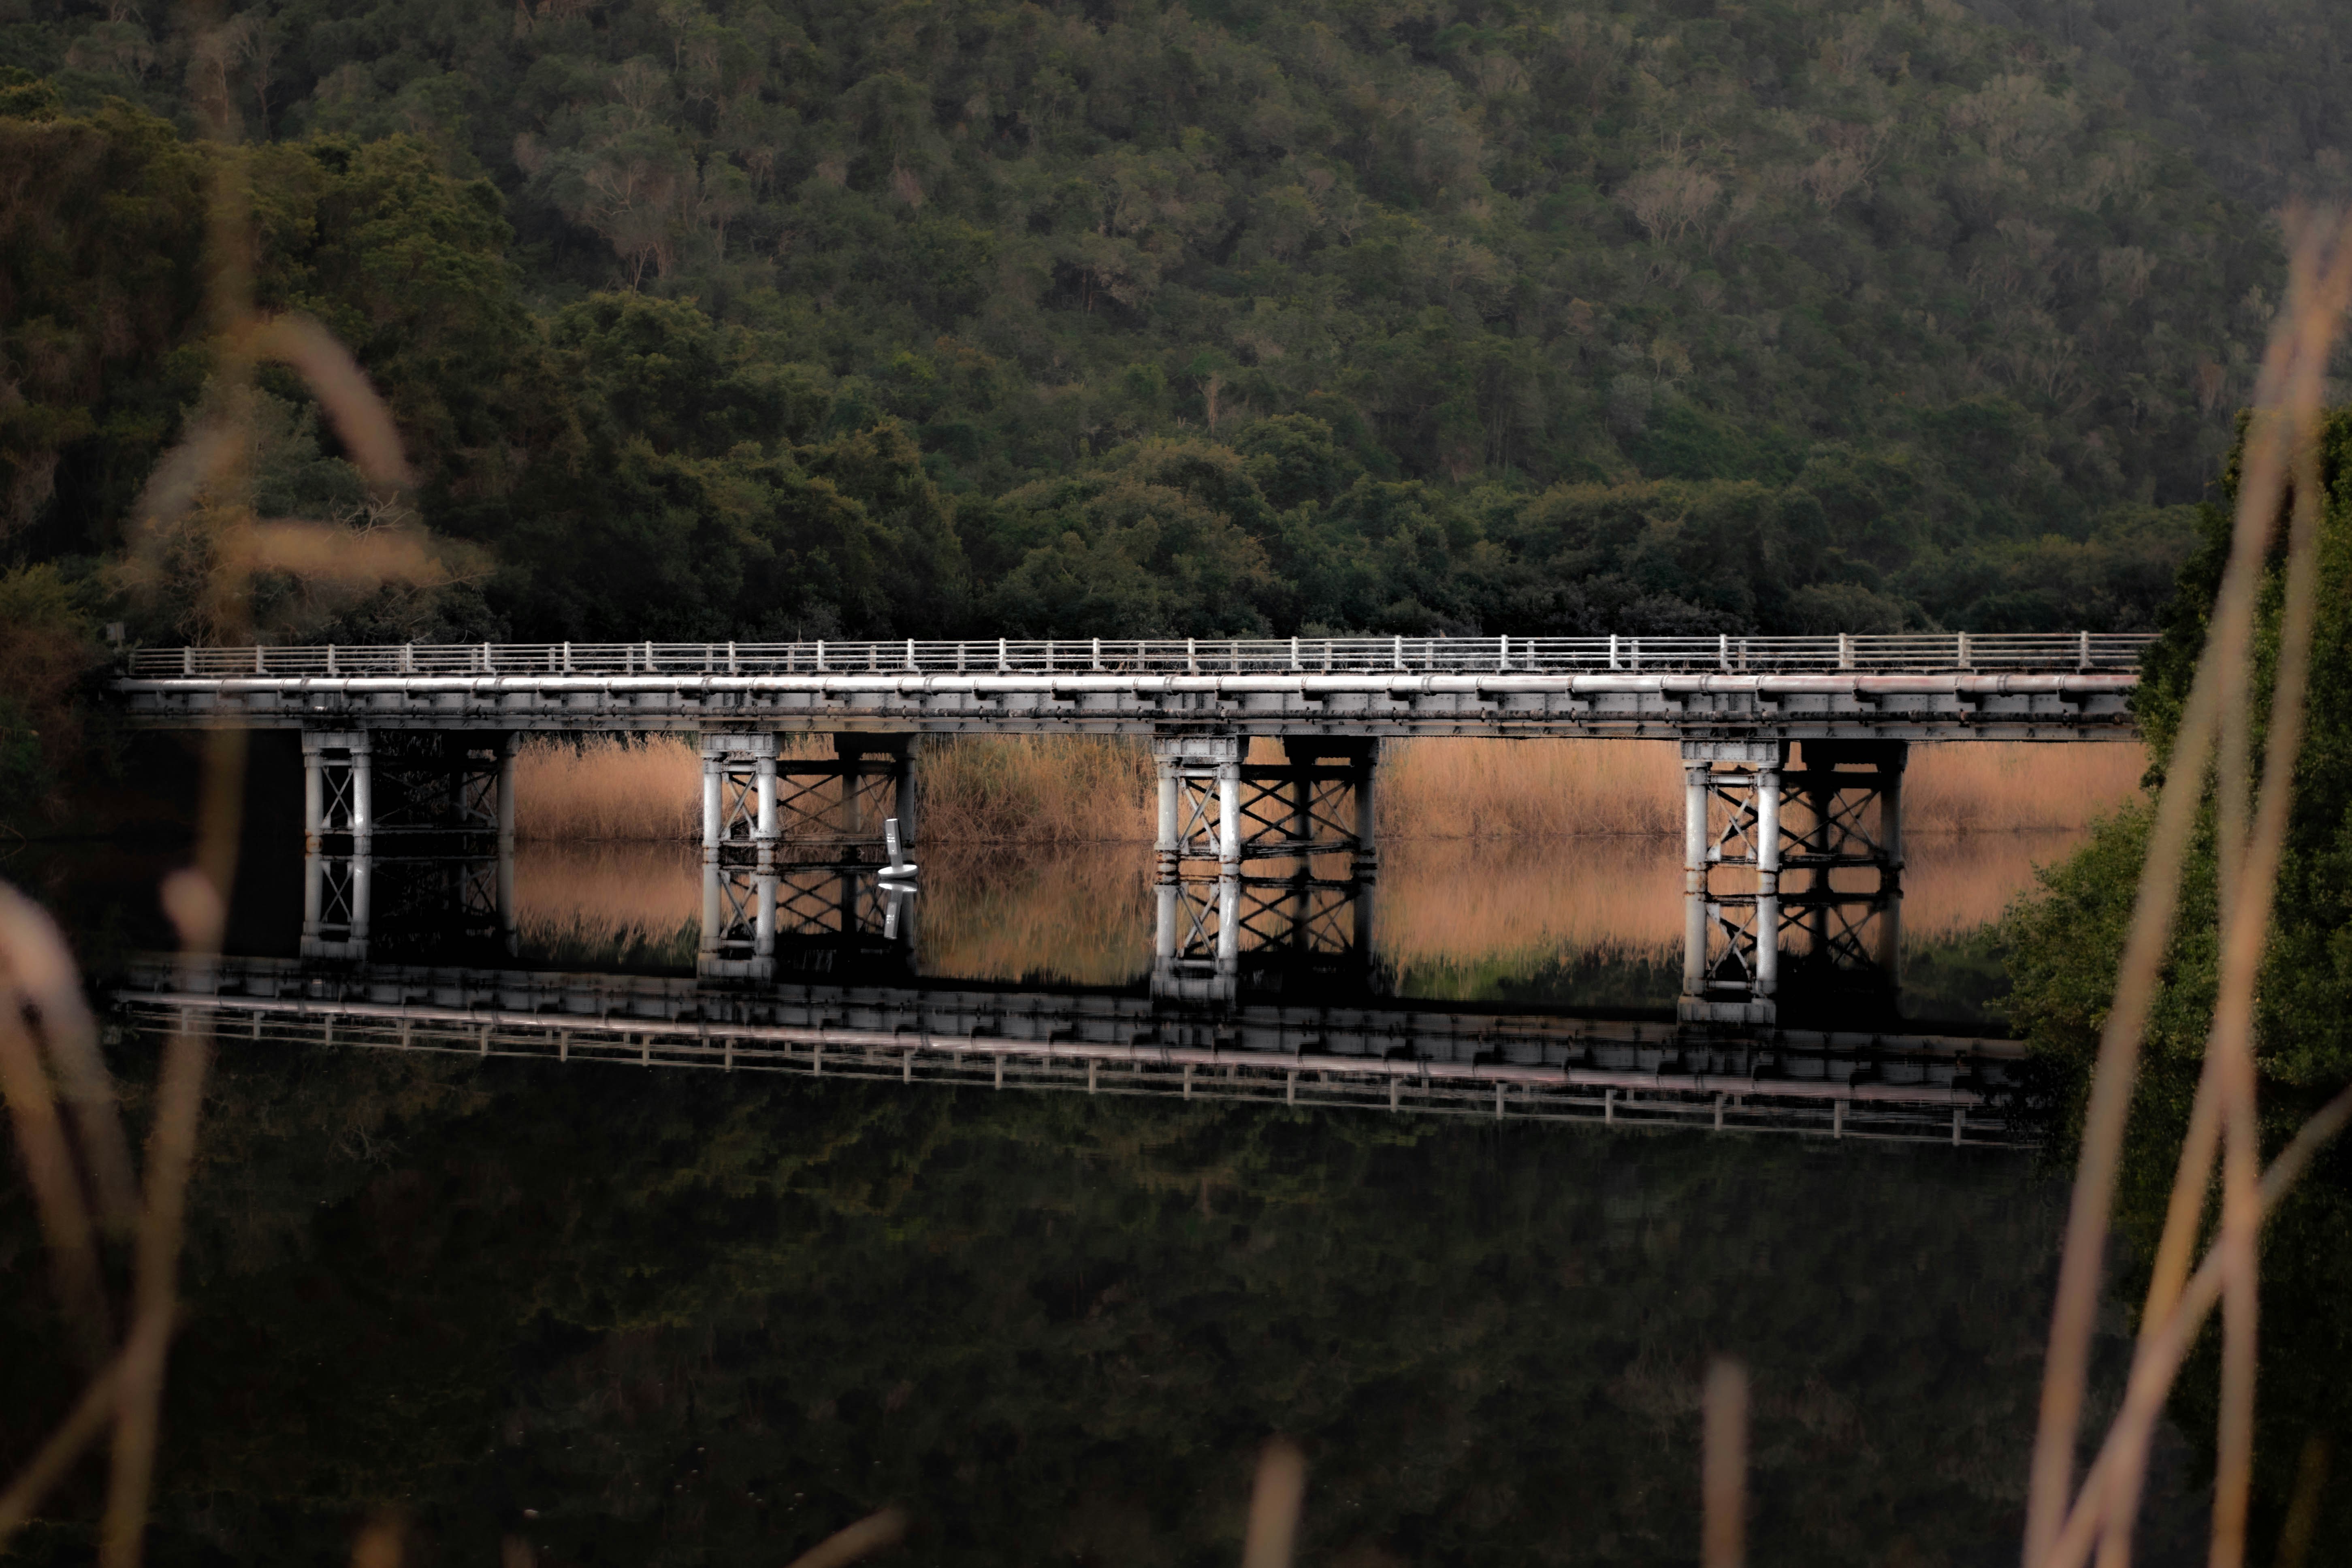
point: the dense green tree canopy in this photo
(2068, 939)
(1944, 319)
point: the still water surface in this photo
(627, 1315)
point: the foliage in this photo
(49, 643)
(99, 297)
(1916, 306)
(2252, 89)
(2065, 943)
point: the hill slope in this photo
(1650, 316)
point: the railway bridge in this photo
(1793, 753)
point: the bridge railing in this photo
(1907, 651)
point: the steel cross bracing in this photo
(762, 802)
(1843, 935)
(1731, 968)
(1200, 834)
(358, 907)
(1297, 914)
(438, 787)
(336, 897)
(1738, 838)
(1297, 810)
(1947, 686)
(1281, 812)
(1300, 915)
(759, 921)
(739, 806)
(426, 783)
(1793, 927)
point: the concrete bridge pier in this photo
(338, 787)
(436, 791)
(739, 793)
(756, 800)
(1197, 860)
(791, 848)
(877, 782)
(738, 920)
(1219, 908)
(1821, 844)
(1731, 818)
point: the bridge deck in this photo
(2072, 686)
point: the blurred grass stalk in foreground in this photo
(2064, 1524)
(198, 542)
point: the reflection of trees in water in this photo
(700, 1318)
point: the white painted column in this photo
(1229, 813)
(362, 795)
(1166, 850)
(714, 780)
(763, 914)
(1695, 848)
(362, 896)
(763, 831)
(712, 908)
(1165, 898)
(1767, 883)
(1229, 919)
(314, 797)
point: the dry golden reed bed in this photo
(1490, 847)
(1083, 912)
(1078, 789)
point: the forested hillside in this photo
(757, 317)
(2252, 89)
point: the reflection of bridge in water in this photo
(1267, 871)
(1379, 1053)
(1265, 981)
(1266, 878)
